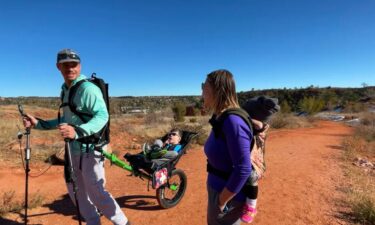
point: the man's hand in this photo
(29, 121)
(67, 131)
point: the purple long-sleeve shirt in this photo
(231, 155)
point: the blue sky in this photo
(167, 47)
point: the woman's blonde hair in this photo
(224, 89)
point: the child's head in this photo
(262, 108)
(174, 136)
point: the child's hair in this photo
(261, 107)
(175, 130)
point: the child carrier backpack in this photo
(103, 135)
(257, 145)
(258, 151)
(261, 108)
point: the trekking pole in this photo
(27, 169)
(27, 160)
(72, 177)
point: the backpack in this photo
(257, 145)
(103, 135)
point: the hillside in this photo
(353, 99)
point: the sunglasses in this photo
(172, 134)
(203, 85)
(67, 56)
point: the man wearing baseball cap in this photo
(88, 164)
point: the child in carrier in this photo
(158, 153)
(161, 152)
(260, 110)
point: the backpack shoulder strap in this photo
(217, 122)
(239, 112)
(73, 107)
(62, 95)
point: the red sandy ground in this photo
(301, 185)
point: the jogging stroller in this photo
(170, 183)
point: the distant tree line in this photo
(311, 100)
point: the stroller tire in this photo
(170, 195)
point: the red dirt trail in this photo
(300, 187)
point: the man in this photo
(88, 164)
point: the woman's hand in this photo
(221, 205)
(223, 208)
(224, 197)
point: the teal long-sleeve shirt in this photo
(88, 99)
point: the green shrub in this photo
(364, 210)
(179, 110)
(311, 105)
(284, 107)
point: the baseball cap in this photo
(68, 55)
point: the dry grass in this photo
(151, 126)
(367, 130)
(360, 181)
(10, 203)
(43, 144)
(287, 120)
(137, 126)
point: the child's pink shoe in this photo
(248, 214)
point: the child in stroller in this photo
(157, 154)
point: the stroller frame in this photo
(176, 188)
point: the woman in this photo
(230, 155)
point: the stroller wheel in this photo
(171, 194)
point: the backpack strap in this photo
(216, 172)
(82, 115)
(217, 122)
(217, 125)
(72, 106)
